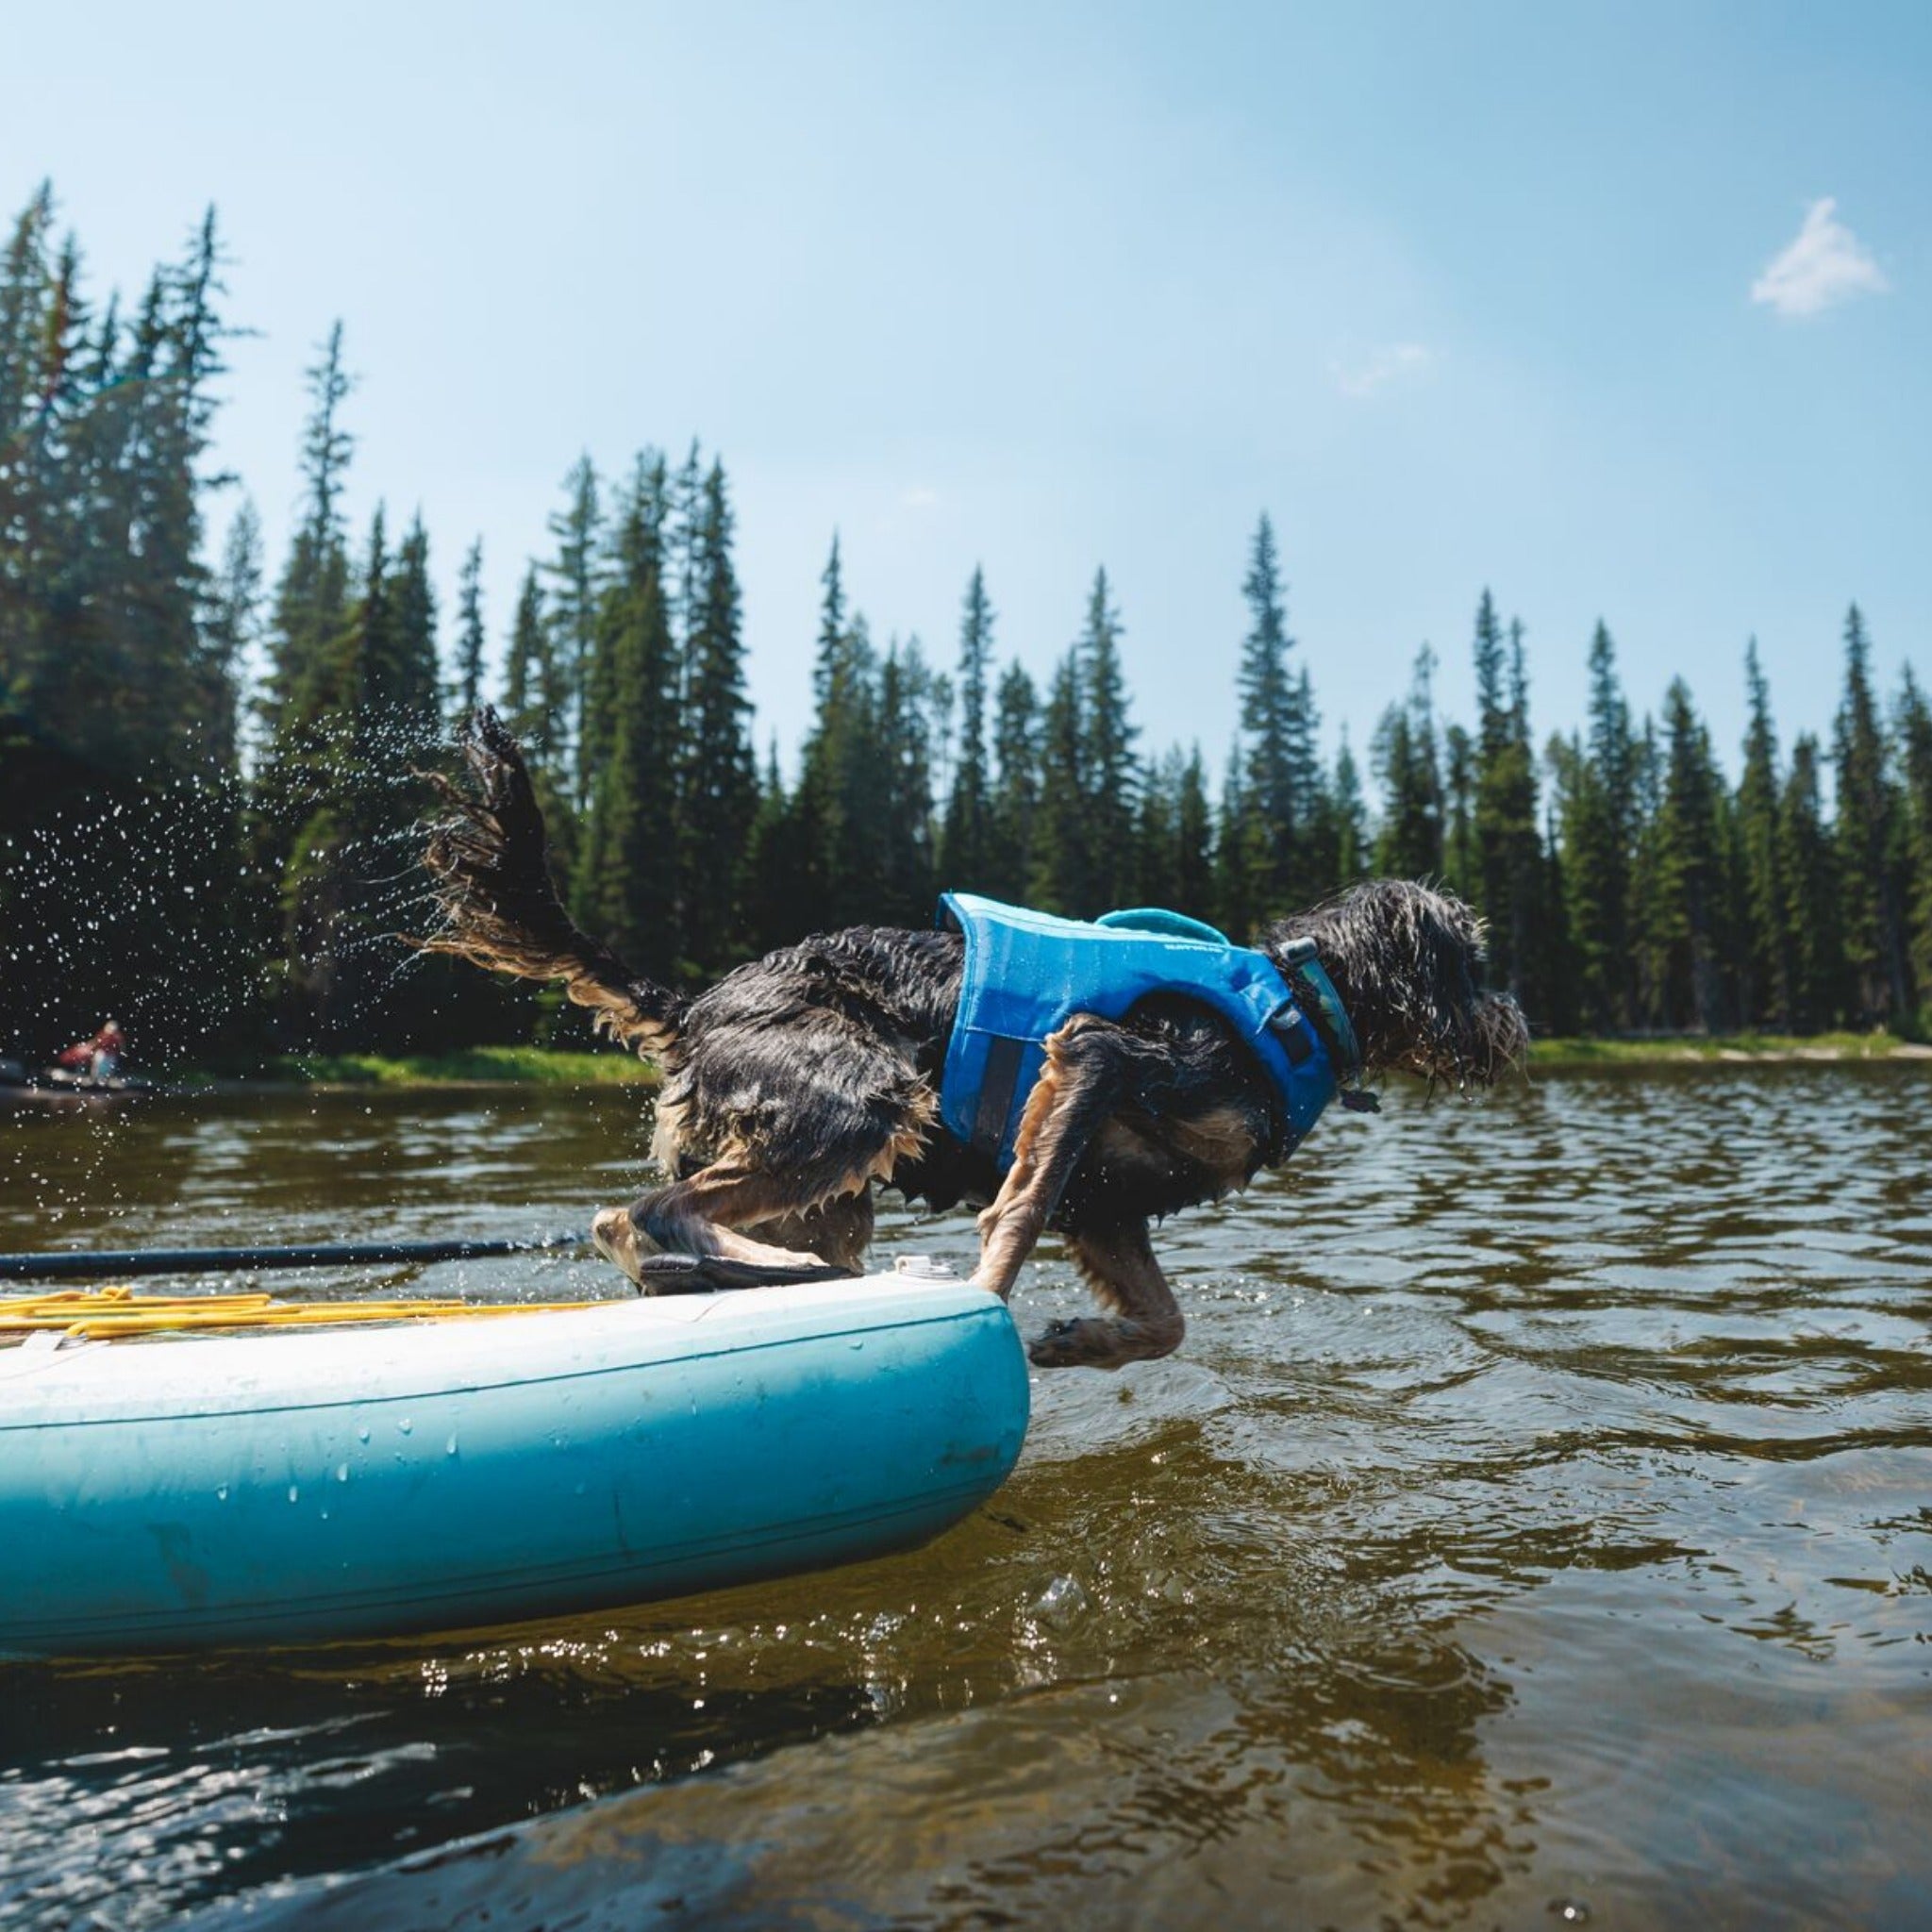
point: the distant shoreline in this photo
(531, 1066)
(1727, 1049)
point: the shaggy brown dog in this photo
(800, 1079)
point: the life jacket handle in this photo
(1159, 919)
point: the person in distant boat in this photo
(100, 1057)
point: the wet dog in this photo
(801, 1080)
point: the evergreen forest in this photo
(210, 796)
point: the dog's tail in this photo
(490, 860)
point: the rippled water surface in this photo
(1535, 1527)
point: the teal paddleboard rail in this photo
(309, 1486)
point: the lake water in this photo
(1535, 1528)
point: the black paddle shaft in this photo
(91, 1266)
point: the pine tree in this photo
(833, 641)
(780, 908)
(1648, 940)
(965, 849)
(47, 538)
(1108, 775)
(230, 628)
(344, 699)
(1408, 841)
(525, 658)
(626, 884)
(1596, 820)
(682, 522)
(1063, 876)
(1014, 807)
(1273, 831)
(638, 545)
(1508, 838)
(1913, 724)
(1234, 853)
(902, 888)
(1562, 1011)
(1767, 980)
(400, 690)
(573, 609)
(25, 288)
(1317, 850)
(531, 689)
(467, 692)
(1813, 931)
(300, 702)
(311, 601)
(720, 790)
(1692, 888)
(1461, 870)
(1156, 840)
(1868, 838)
(841, 785)
(1194, 831)
(1351, 817)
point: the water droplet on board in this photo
(295, 1493)
(342, 1472)
(405, 1425)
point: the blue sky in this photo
(1459, 295)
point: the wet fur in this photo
(800, 1079)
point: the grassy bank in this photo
(1725, 1047)
(495, 1066)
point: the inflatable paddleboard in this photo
(311, 1485)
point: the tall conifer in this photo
(1766, 994)
(1015, 803)
(965, 850)
(1109, 773)
(467, 685)
(1064, 878)
(720, 796)
(1813, 929)
(1913, 720)
(1408, 842)
(576, 576)
(1868, 838)
(1691, 881)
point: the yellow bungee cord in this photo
(107, 1313)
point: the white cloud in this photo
(921, 497)
(1826, 265)
(1400, 360)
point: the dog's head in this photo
(1406, 960)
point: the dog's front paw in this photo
(1073, 1344)
(1109, 1343)
(615, 1237)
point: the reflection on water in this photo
(1537, 1526)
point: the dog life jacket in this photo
(1026, 973)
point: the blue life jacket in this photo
(1026, 973)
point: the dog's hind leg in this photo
(1145, 1323)
(1090, 1065)
(683, 1236)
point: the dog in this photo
(798, 1081)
